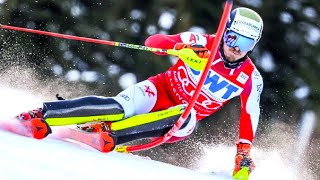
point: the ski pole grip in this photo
(190, 58)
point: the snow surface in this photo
(27, 158)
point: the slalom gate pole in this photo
(84, 39)
(186, 112)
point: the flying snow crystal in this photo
(286, 17)
(310, 12)
(302, 92)
(166, 20)
(113, 70)
(136, 14)
(313, 35)
(127, 80)
(151, 29)
(266, 62)
(197, 29)
(254, 3)
(73, 75)
(67, 55)
(89, 76)
(57, 69)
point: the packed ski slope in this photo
(26, 158)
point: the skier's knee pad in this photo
(138, 99)
(83, 106)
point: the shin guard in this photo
(82, 110)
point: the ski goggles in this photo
(233, 39)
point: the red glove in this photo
(243, 158)
(200, 50)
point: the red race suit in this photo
(177, 84)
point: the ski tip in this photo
(107, 141)
(243, 174)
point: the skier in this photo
(159, 101)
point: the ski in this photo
(243, 174)
(38, 129)
(16, 128)
(97, 140)
(102, 141)
(35, 128)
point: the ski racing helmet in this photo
(243, 30)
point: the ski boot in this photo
(97, 135)
(37, 113)
(34, 124)
(95, 127)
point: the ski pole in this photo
(186, 112)
(187, 55)
(85, 39)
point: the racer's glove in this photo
(200, 50)
(243, 159)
